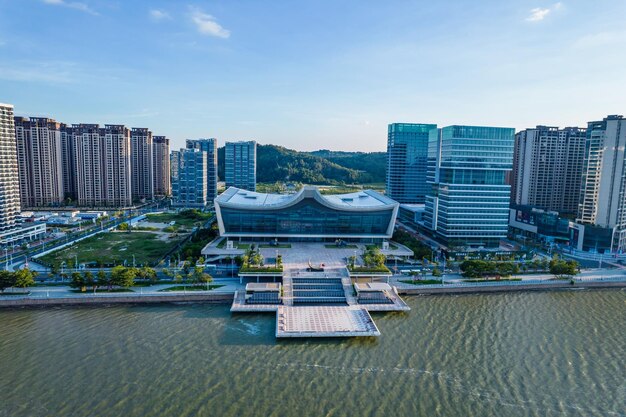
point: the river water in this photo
(518, 354)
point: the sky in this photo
(322, 74)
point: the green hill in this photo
(276, 163)
(373, 164)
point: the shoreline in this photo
(227, 297)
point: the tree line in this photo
(22, 278)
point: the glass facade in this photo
(240, 165)
(306, 218)
(468, 203)
(189, 184)
(407, 153)
(210, 147)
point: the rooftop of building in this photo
(249, 199)
(263, 286)
(414, 207)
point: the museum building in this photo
(364, 216)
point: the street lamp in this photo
(443, 272)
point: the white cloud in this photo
(538, 14)
(72, 5)
(157, 15)
(206, 24)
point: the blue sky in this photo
(317, 74)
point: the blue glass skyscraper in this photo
(468, 203)
(407, 153)
(210, 147)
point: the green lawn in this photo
(341, 247)
(190, 288)
(188, 221)
(369, 269)
(114, 248)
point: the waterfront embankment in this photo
(226, 297)
(210, 298)
(494, 287)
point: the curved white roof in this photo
(362, 200)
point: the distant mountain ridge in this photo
(323, 167)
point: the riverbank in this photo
(209, 298)
(510, 287)
(226, 297)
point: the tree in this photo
(373, 257)
(123, 277)
(124, 227)
(89, 280)
(436, 272)
(195, 276)
(562, 269)
(7, 280)
(206, 278)
(54, 269)
(24, 278)
(103, 279)
(78, 281)
(147, 273)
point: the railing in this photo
(516, 283)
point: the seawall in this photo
(473, 289)
(221, 298)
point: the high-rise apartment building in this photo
(189, 178)
(9, 176)
(240, 165)
(210, 147)
(547, 168)
(407, 153)
(161, 166)
(103, 173)
(39, 161)
(68, 163)
(603, 190)
(141, 163)
(468, 204)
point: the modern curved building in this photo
(306, 215)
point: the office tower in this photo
(547, 168)
(161, 165)
(39, 161)
(189, 178)
(103, 175)
(210, 147)
(68, 163)
(407, 153)
(9, 176)
(604, 179)
(240, 165)
(141, 164)
(468, 204)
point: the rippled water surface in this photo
(523, 354)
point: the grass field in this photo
(114, 248)
(181, 219)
